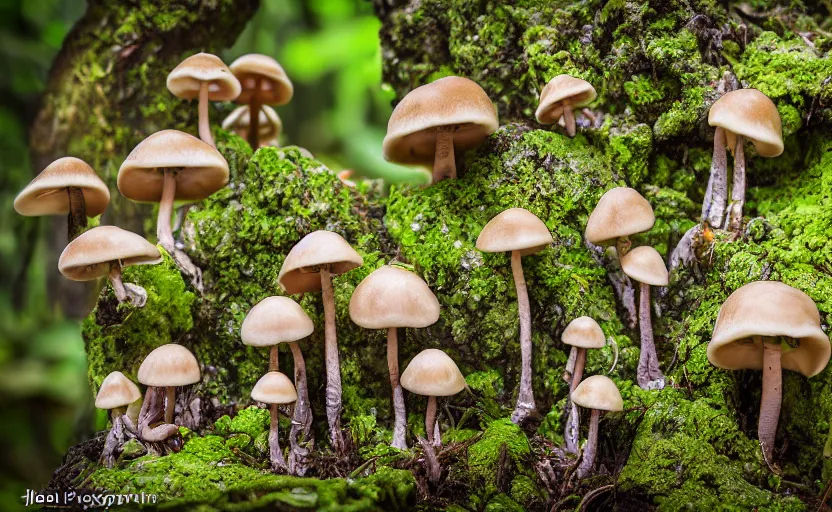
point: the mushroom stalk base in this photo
(115, 439)
(150, 426)
(573, 424)
(299, 447)
(525, 398)
(733, 221)
(163, 229)
(170, 403)
(649, 375)
(254, 117)
(275, 453)
(77, 218)
(716, 195)
(333, 366)
(444, 163)
(400, 422)
(588, 461)
(569, 119)
(430, 422)
(204, 121)
(772, 394)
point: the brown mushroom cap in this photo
(620, 212)
(768, 308)
(584, 332)
(186, 79)
(200, 169)
(393, 297)
(560, 89)
(275, 320)
(116, 391)
(449, 101)
(300, 272)
(274, 388)
(275, 86)
(749, 113)
(89, 256)
(598, 392)
(169, 365)
(239, 120)
(46, 194)
(645, 265)
(432, 373)
(515, 229)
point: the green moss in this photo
(525, 492)
(251, 420)
(484, 455)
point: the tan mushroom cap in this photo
(432, 373)
(274, 388)
(239, 120)
(186, 79)
(620, 212)
(515, 229)
(393, 297)
(450, 101)
(645, 265)
(89, 256)
(584, 332)
(46, 194)
(749, 113)
(116, 391)
(300, 272)
(169, 365)
(275, 86)
(768, 308)
(598, 392)
(275, 320)
(200, 169)
(559, 90)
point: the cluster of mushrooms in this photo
(763, 325)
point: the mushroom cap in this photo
(116, 391)
(598, 392)
(432, 373)
(186, 79)
(768, 308)
(393, 297)
(620, 212)
(275, 86)
(89, 256)
(239, 120)
(275, 320)
(515, 229)
(200, 170)
(169, 365)
(749, 113)
(274, 388)
(300, 272)
(560, 89)
(450, 101)
(46, 194)
(584, 332)
(645, 265)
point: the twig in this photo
(591, 495)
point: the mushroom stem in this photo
(163, 228)
(77, 218)
(569, 119)
(444, 163)
(734, 220)
(115, 281)
(525, 397)
(400, 421)
(622, 246)
(152, 411)
(114, 438)
(573, 423)
(333, 367)
(204, 121)
(254, 117)
(649, 375)
(716, 195)
(170, 403)
(275, 453)
(430, 422)
(274, 359)
(302, 419)
(591, 447)
(772, 393)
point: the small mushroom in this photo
(166, 367)
(581, 333)
(597, 393)
(68, 186)
(206, 77)
(521, 233)
(274, 389)
(309, 267)
(270, 124)
(115, 394)
(620, 213)
(389, 298)
(106, 250)
(434, 120)
(768, 325)
(560, 97)
(645, 265)
(264, 83)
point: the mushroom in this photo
(581, 333)
(171, 165)
(620, 213)
(434, 120)
(68, 186)
(106, 250)
(166, 367)
(560, 96)
(645, 265)
(270, 124)
(274, 389)
(597, 393)
(264, 83)
(738, 115)
(206, 77)
(309, 267)
(389, 298)
(769, 325)
(520, 232)
(115, 394)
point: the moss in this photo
(251, 420)
(484, 455)
(525, 492)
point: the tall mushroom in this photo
(434, 120)
(390, 298)
(620, 213)
(738, 115)
(560, 96)
(166, 367)
(270, 124)
(582, 333)
(115, 394)
(274, 389)
(597, 393)
(309, 267)
(264, 83)
(68, 186)
(206, 77)
(105, 251)
(645, 265)
(521, 233)
(768, 325)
